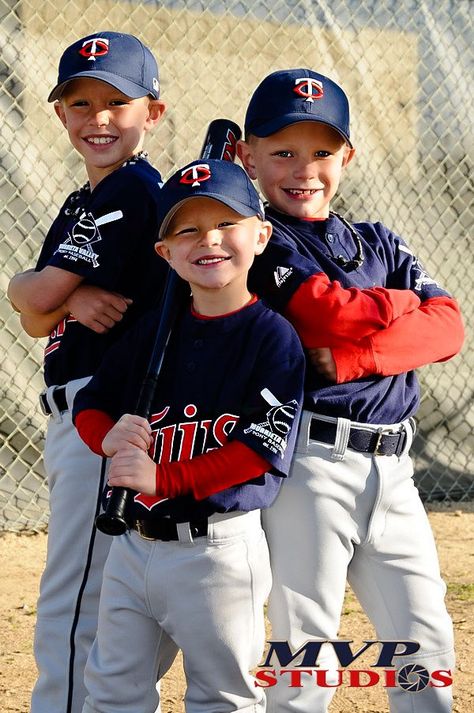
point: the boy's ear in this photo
(348, 155)
(245, 153)
(162, 250)
(156, 109)
(59, 109)
(265, 232)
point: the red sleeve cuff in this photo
(354, 360)
(93, 425)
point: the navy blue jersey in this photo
(107, 236)
(239, 376)
(300, 248)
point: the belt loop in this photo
(304, 427)
(184, 533)
(55, 412)
(409, 429)
(343, 431)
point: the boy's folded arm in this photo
(436, 328)
(41, 325)
(324, 313)
(44, 298)
(42, 292)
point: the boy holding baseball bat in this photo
(194, 568)
(97, 272)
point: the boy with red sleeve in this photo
(194, 569)
(347, 288)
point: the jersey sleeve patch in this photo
(273, 432)
(78, 246)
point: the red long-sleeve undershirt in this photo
(200, 476)
(432, 333)
(326, 315)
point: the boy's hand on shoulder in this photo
(133, 468)
(96, 308)
(129, 431)
(322, 360)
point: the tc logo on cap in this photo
(96, 47)
(195, 174)
(308, 87)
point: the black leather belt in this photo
(166, 529)
(377, 442)
(58, 395)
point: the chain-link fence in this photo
(407, 67)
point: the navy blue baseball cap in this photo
(213, 178)
(291, 95)
(113, 57)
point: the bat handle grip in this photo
(114, 520)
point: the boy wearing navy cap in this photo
(350, 489)
(194, 568)
(95, 275)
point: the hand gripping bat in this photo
(220, 143)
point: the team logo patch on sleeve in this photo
(83, 234)
(274, 431)
(421, 277)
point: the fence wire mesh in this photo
(407, 67)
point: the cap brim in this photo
(270, 127)
(130, 89)
(239, 208)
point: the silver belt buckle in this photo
(380, 433)
(138, 528)
(378, 442)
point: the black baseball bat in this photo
(220, 143)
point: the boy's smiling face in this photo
(105, 126)
(298, 168)
(212, 247)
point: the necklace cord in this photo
(358, 260)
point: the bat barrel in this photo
(221, 140)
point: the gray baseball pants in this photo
(205, 596)
(68, 605)
(358, 518)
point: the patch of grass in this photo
(464, 592)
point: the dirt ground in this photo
(21, 561)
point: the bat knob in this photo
(114, 520)
(111, 525)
